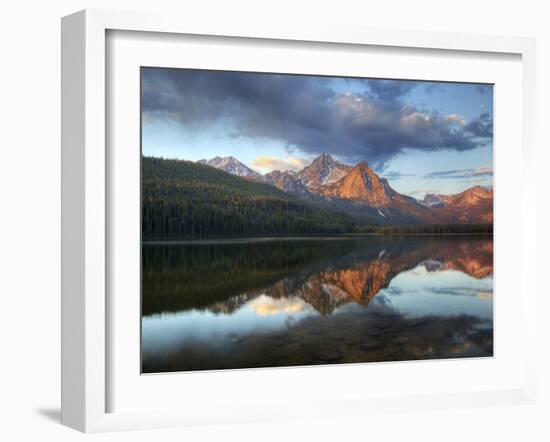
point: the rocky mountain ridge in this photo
(361, 192)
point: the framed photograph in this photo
(252, 212)
(284, 247)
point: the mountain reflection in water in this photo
(302, 302)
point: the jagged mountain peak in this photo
(433, 200)
(471, 205)
(363, 165)
(472, 196)
(323, 158)
(324, 169)
(360, 190)
(361, 184)
(480, 190)
(231, 165)
(286, 181)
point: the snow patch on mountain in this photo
(230, 165)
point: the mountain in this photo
(361, 184)
(363, 192)
(474, 205)
(231, 165)
(323, 170)
(286, 181)
(359, 192)
(471, 197)
(433, 200)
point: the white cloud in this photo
(268, 163)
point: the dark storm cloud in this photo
(272, 106)
(482, 127)
(391, 90)
(306, 113)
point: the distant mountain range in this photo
(360, 192)
(231, 165)
(473, 205)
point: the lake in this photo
(287, 302)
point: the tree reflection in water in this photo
(293, 302)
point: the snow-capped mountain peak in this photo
(230, 165)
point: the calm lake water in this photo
(284, 302)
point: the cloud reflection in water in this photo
(418, 300)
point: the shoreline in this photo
(213, 241)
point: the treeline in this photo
(185, 200)
(430, 229)
(179, 277)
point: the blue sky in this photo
(424, 137)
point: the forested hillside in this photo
(186, 200)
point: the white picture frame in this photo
(85, 205)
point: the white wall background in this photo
(30, 215)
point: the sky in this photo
(424, 137)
